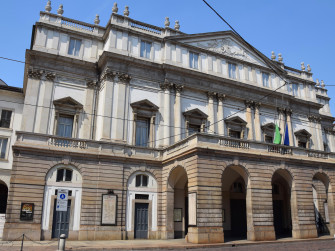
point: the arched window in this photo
(141, 180)
(64, 174)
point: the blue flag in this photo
(286, 138)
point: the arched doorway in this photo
(234, 213)
(281, 202)
(320, 187)
(179, 183)
(3, 205)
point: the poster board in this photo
(192, 209)
(109, 209)
(27, 211)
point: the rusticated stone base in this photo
(262, 233)
(93, 233)
(202, 235)
(14, 230)
(305, 232)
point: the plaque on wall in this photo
(192, 209)
(177, 215)
(27, 211)
(108, 207)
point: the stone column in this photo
(289, 126)
(31, 99)
(319, 132)
(220, 116)
(119, 122)
(106, 94)
(89, 122)
(177, 114)
(258, 135)
(167, 111)
(281, 118)
(211, 116)
(250, 130)
(313, 131)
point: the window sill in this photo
(6, 129)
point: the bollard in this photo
(61, 243)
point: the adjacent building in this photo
(154, 133)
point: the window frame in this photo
(64, 175)
(73, 54)
(265, 76)
(193, 64)
(141, 175)
(137, 124)
(146, 55)
(5, 154)
(11, 118)
(295, 91)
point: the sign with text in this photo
(27, 211)
(62, 198)
(109, 209)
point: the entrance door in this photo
(141, 220)
(238, 218)
(61, 221)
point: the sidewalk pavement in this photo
(140, 244)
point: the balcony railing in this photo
(195, 141)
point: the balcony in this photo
(195, 141)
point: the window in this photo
(234, 134)
(192, 129)
(295, 90)
(194, 57)
(6, 116)
(303, 138)
(64, 126)
(232, 70)
(237, 187)
(268, 139)
(325, 147)
(145, 49)
(265, 78)
(74, 47)
(142, 132)
(64, 175)
(302, 144)
(141, 180)
(3, 147)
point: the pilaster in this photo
(289, 126)
(211, 115)
(220, 115)
(281, 117)
(258, 135)
(249, 105)
(177, 113)
(166, 87)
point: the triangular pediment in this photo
(236, 120)
(144, 105)
(302, 133)
(196, 113)
(69, 102)
(228, 44)
(269, 126)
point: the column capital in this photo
(288, 111)
(90, 83)
(329, 130)
(249, 103)
(167, 85)
(179, 88)
(221, 96)
(124, 78)
(211, 95)
(35, 73)
(257, 105)
(314, 118)
(281, 110)
(108, 74)
(50, 76)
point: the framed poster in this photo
(192, 209)
(27, 211)
(177, 215)
(109, 209)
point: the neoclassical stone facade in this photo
(159, 134)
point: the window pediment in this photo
(68, 102)
(269, 127)
(195, 113)
(144, 105)
(302, 134)
(236, 121)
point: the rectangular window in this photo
(232, 70)
(194, 58)
(268, 139)
(3, 147)
(234, 134)
(302, 144)
(74, 47)
(6, 116)
(192, 129)
(64, 126)
(142, 132)
(295, 89)
(265, 78)
(145, 49)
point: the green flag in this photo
(277, 138)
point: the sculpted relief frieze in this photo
(227, 47)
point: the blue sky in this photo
(302, 30)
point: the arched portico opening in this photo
(178, 184)
(320, 187)
(281, 201)
(234, 206)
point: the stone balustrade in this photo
(200, 140)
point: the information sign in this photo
(62, 197)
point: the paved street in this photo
(280, 245)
